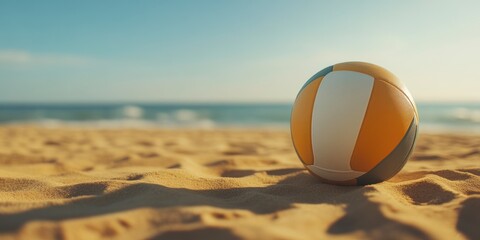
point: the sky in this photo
(230, 51)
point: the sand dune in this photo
(222, 184)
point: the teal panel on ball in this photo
(322, 73)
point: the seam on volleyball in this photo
(408, 98)
(291, 115)
(363, 122)
(311, 119)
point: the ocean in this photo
(434, 117)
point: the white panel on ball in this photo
(338, 112)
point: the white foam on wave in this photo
(131, 111)
(185, 118)
(465, 114)
(133, 117)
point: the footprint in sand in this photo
(427, 193)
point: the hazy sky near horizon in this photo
(230, 51)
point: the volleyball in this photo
(354, 123)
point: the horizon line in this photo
(168, 102)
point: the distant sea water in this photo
(434, 117)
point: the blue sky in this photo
(229, 51)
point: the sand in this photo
(72, 183)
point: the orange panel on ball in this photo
(386, 121)
(301, 121)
